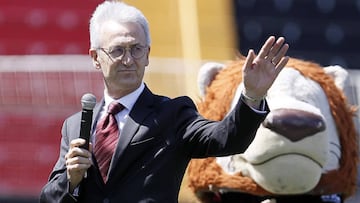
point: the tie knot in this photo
(114, 108)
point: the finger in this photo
(78, 162)
(275, 49)
(249, 60)
(77, 142)
(77, 152)
(77, 167)
(280, 54)
(266, 47)
(282, 64)
(90, 147)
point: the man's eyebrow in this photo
(130, 45)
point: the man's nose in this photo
(127, 58)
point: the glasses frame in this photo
(108, 51)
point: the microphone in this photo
(88, 102)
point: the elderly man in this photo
(140, 150)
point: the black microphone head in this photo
(88, 101)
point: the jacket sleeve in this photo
(232, 135)
(57, 188)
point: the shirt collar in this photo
(128, 101)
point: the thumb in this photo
(90, 147)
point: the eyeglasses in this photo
(136, 51)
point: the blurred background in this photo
(45, 69)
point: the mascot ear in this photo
(342, 81)
(339, 74)
(206, 75)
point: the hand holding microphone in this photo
(78, 161)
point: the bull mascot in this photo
(306, 150)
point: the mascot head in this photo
(306, 145)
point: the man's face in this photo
(122, 57)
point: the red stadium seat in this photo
(33, 106)
(43, 27)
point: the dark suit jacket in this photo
(156, 144)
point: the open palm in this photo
(260, 71)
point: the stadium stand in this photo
(35, 27)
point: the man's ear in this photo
(94, 56)
(147, 57)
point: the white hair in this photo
(118, 12)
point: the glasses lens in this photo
(137, 51)
(118, 51)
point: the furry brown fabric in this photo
(206, 175)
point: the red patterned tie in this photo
(107, 134)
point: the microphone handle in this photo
(86, 119)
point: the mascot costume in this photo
(306, 150)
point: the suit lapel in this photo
(141, 109)
(96, 114)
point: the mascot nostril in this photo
(294, 124)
